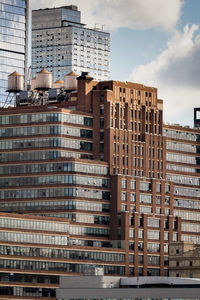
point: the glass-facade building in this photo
(12, 41)
(61, 43)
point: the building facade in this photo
(100, 158)
(61, 43)
(12, 42)
(184, 260)
(35, 251)
(182, 168)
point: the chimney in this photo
(85, 87)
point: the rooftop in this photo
(71, 7)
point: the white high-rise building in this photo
(61, 43)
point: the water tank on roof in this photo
(58, 84)
(44, 80)
(15, 82)
(70, 83)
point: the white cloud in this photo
(142, 14)
(176, 73)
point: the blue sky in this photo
(153, 42)
(141, 46)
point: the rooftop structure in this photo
(197, 117)
(107, 287)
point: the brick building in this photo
(99, 158)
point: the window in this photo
(123, 196)
(123, 183)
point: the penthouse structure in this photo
(96, 157)
(197, 117)
(61, 43)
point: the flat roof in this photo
(71, 7)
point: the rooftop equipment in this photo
(58, 84)
(70, 83)
(15, 82)
(43, 80)
(15, 85)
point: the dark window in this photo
(86, 133)
(85, 146)
(101, 147)
(106, 195)
(88, 121)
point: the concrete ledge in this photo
(123, 293)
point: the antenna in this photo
(29, 77)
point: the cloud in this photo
(176, 73)
(115, 14)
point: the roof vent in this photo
(85, 76)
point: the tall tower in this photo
(12, 41)
(61, 43)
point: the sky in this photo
(153, 42)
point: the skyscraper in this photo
(12, 41)
(61, 43)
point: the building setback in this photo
(99, 157)
(61, 43)
(12, 42)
